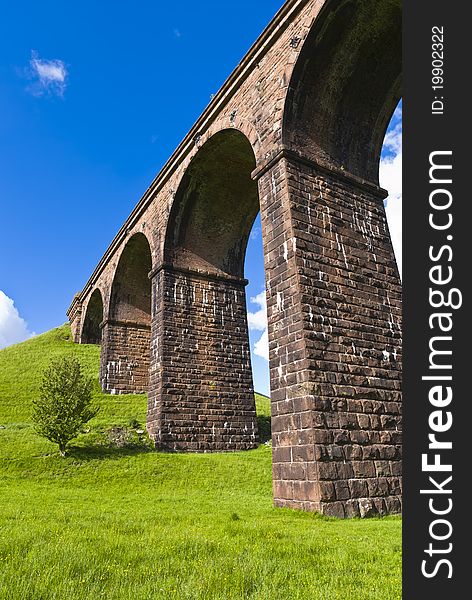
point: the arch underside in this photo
(215, 207)
(346, 85)
(91, 330)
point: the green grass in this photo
(131, 523)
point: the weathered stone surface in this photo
(296, 133)
(202, 375)
(367, 508)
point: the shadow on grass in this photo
(263, 424)
(100, 452)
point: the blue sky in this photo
(94, 97)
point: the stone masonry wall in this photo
(201, 394)
(124, 361)
(75, 320)
(334, 308)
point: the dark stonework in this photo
(124, 365)
(334, 314)
(126, 333)
(92, 327)
(296, 131)
(201, 395)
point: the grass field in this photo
(117, 520)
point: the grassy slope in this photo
(122, 524)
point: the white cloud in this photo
(49, 76)
(261, 347)
(13, 329)
(393, 138)
(391, 179)
(257, 321)
(256, 233)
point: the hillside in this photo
(117, 520)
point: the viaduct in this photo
(295, 133)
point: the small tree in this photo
(65, 402)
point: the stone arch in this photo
(127, 330)
(346, 85)
(236, 121)
(204, 378)
(91, 329)
(130, 298)
(214, 207)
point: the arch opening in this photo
(346, 85)
(215, 207)
(91, 331)
(131, 290)
(127, 330)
